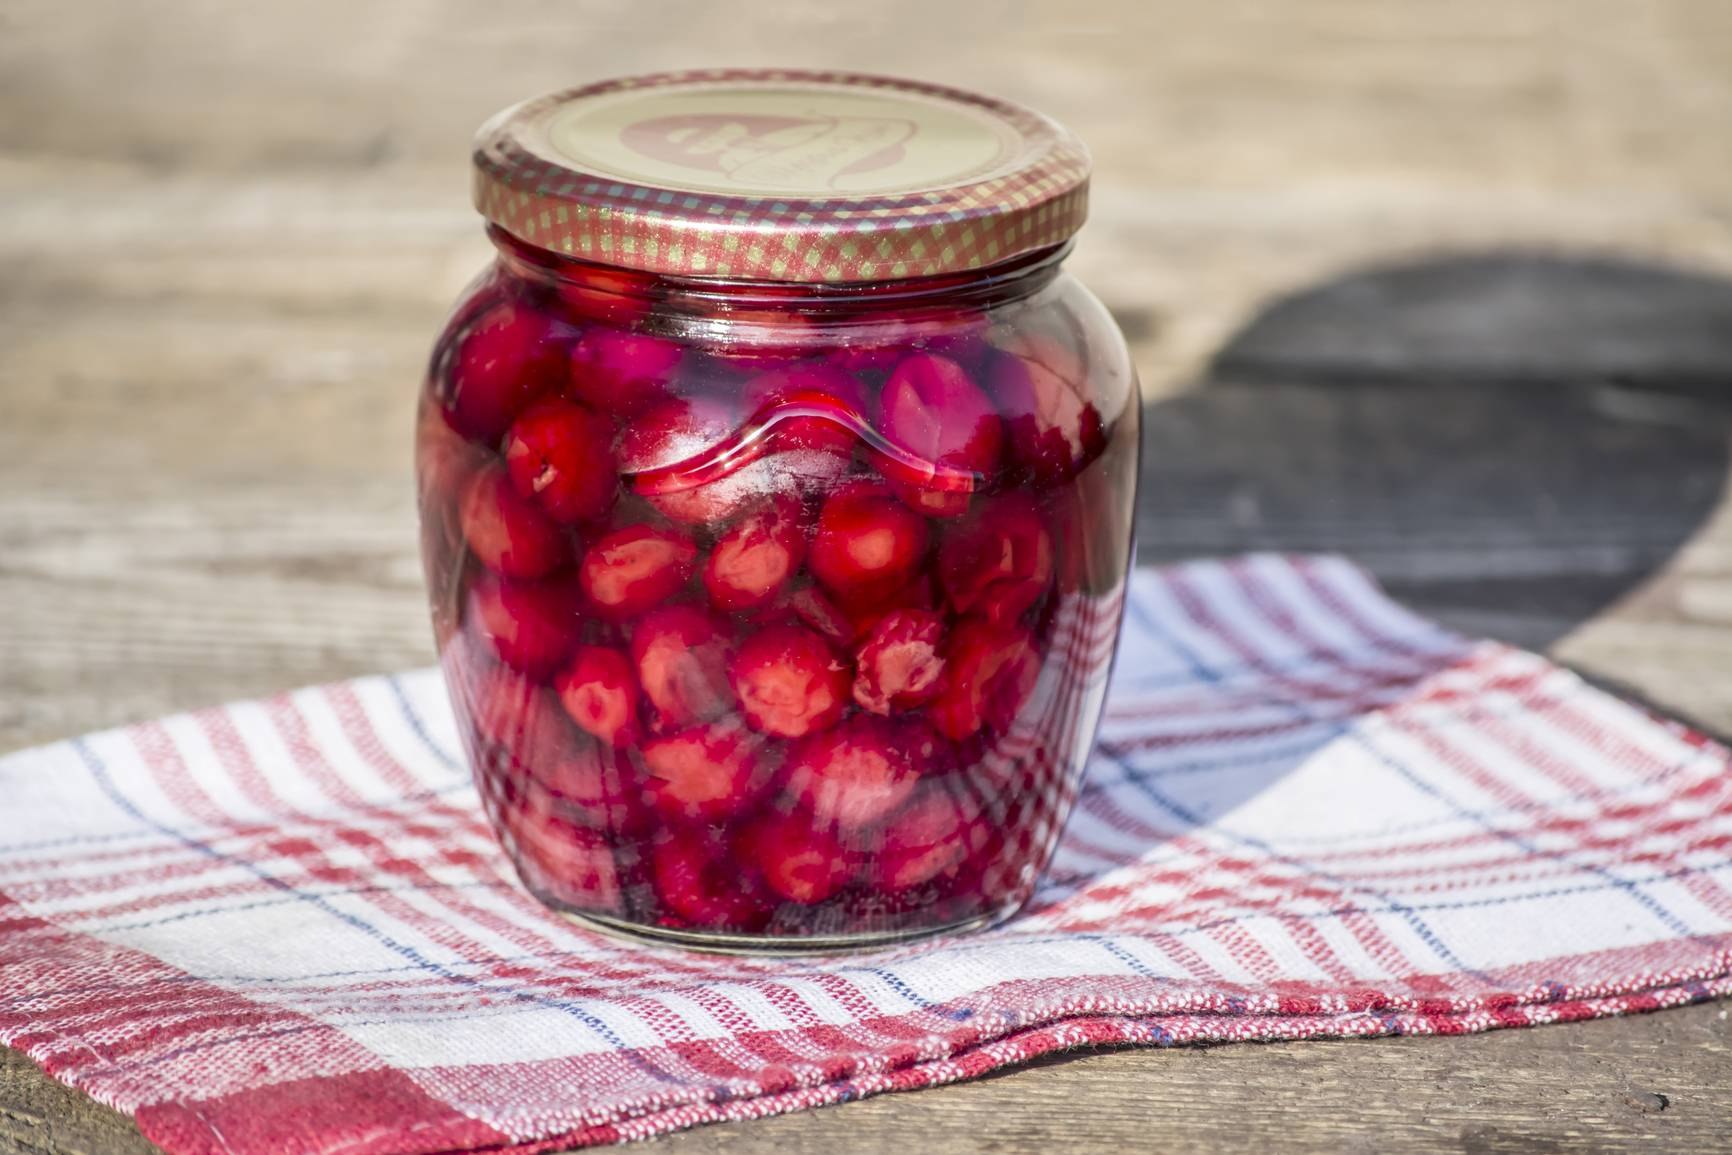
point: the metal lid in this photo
(781, 175)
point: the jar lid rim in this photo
(782, 175)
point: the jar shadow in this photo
(1509, 442)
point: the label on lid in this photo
(782, 140)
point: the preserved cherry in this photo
(776, 600)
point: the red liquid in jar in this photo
(777, 606)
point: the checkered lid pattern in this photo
(282, 926)
(813, 177)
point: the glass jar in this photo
(776, 490)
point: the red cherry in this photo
(531, 626)
(505, 532)
(511, 356)
(853, 774)
(619, 373)
(931, 408)
(560, 455)
(614, 297)
(682, 662)
(929, 498)
(1091, 521)
(536, 825)
(798, 861)
(868, 545)
(999, 563)
(705, 773)
(756, 556)
(714, 502)
(520, 719)
(919, 594)
(878, 344)
(699, 885)
(445, 460)
(1041, 390)
(599, 691)
(599, 785)
(930, 836)
(875, 352)
(445, 464)
(675, 431)
(571, 864)
(836, 401)
(635, 568)
(991, 672)
(789, 681)
(687, 463)
(820, 613)
(899, 664)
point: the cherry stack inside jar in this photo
(776, 614)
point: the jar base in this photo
(715, 942)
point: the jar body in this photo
(777, 616)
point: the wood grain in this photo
(1442, 287)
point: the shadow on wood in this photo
(1514, 439)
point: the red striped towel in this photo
(282, 926)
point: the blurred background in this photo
(1437, 285)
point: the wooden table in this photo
(1439, 286)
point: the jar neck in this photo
(975, 289)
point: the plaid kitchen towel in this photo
(282, 926)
